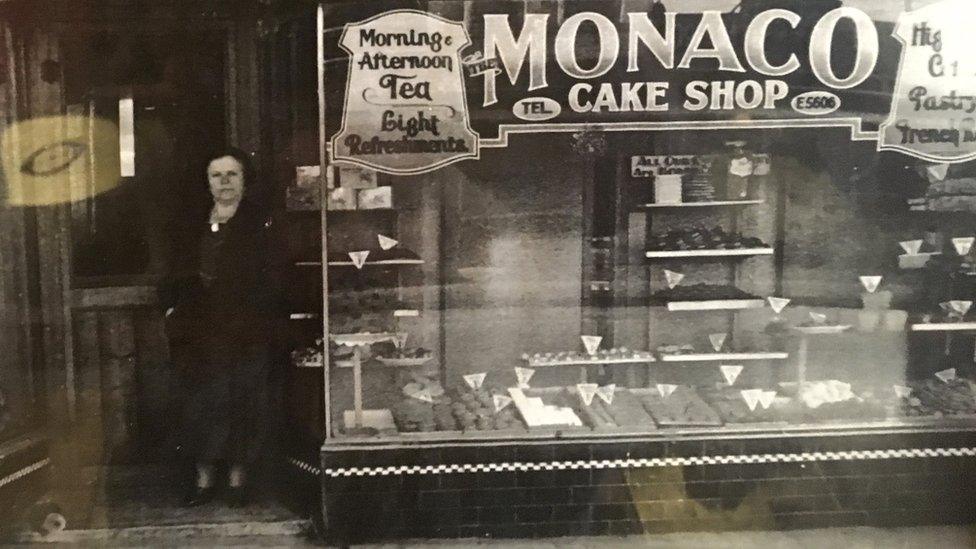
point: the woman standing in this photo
(220, 322)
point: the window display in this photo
(534, 239)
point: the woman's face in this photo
(226, 177)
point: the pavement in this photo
(943, 537)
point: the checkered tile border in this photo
(306, 467)
(17, 475)
(639, 463)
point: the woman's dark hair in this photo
(252, 191)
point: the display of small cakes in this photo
(954, 397)
(307, 357)
(683, 407)
(615, 354)
(624, 410)
(474, 410)
(732, 407)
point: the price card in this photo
(936, 172)
(587, 391)
(751, 396)
(606, 393)
(673, 278)
(386, 242)
(359, 258)
(717, 341)
(766, 399)
(963, 245)
(777, 303)
(902, 392)
(871, 283)
(911, 247)
(730, 373)
(946, 375)
(818, 318)
(421, 394)
(523, 375)
(665, 389)
(501, 401)
(591, 343)
(475, 381)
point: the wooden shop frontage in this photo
(645, 269)
(546, 267)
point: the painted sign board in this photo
(420, 94)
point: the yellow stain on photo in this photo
(59, 159)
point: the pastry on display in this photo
(732, 407)
(952, 398)
(676, 349)
(307, 357)
(474, 410)
(624, 410)
(403, 357)
(555, 411)
(683, 407)
(701, 238)
(615, 354)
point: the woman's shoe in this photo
(237, 496)
(200, 495)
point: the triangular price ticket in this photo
(963, 245)
(766, 398)
(717, 340)
(730, 372)
(946, 375)
(475, 381)
(606, 393)
(818, 318)
(386, 242)
(673, 278)
(911, 247)
(523, 375)
(423, 394)
(936, 172)
(778, 303)
(359, 258)
(587, 391)
(665, 389)
(871, 283)
(903, 392)
(501, 401)
(751, 396)
(591, 343)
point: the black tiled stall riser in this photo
(599, 497)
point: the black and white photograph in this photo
(506, 273)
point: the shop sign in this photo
(419, 96)
(405, 109)
(933, 113)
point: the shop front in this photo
(574, 268)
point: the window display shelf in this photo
(368, 263)
(364, 338)
(590, 362)
(716, 305)
(707, 204)
(715, 357)
(737, 252)
(823, 330)
(945, 327)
